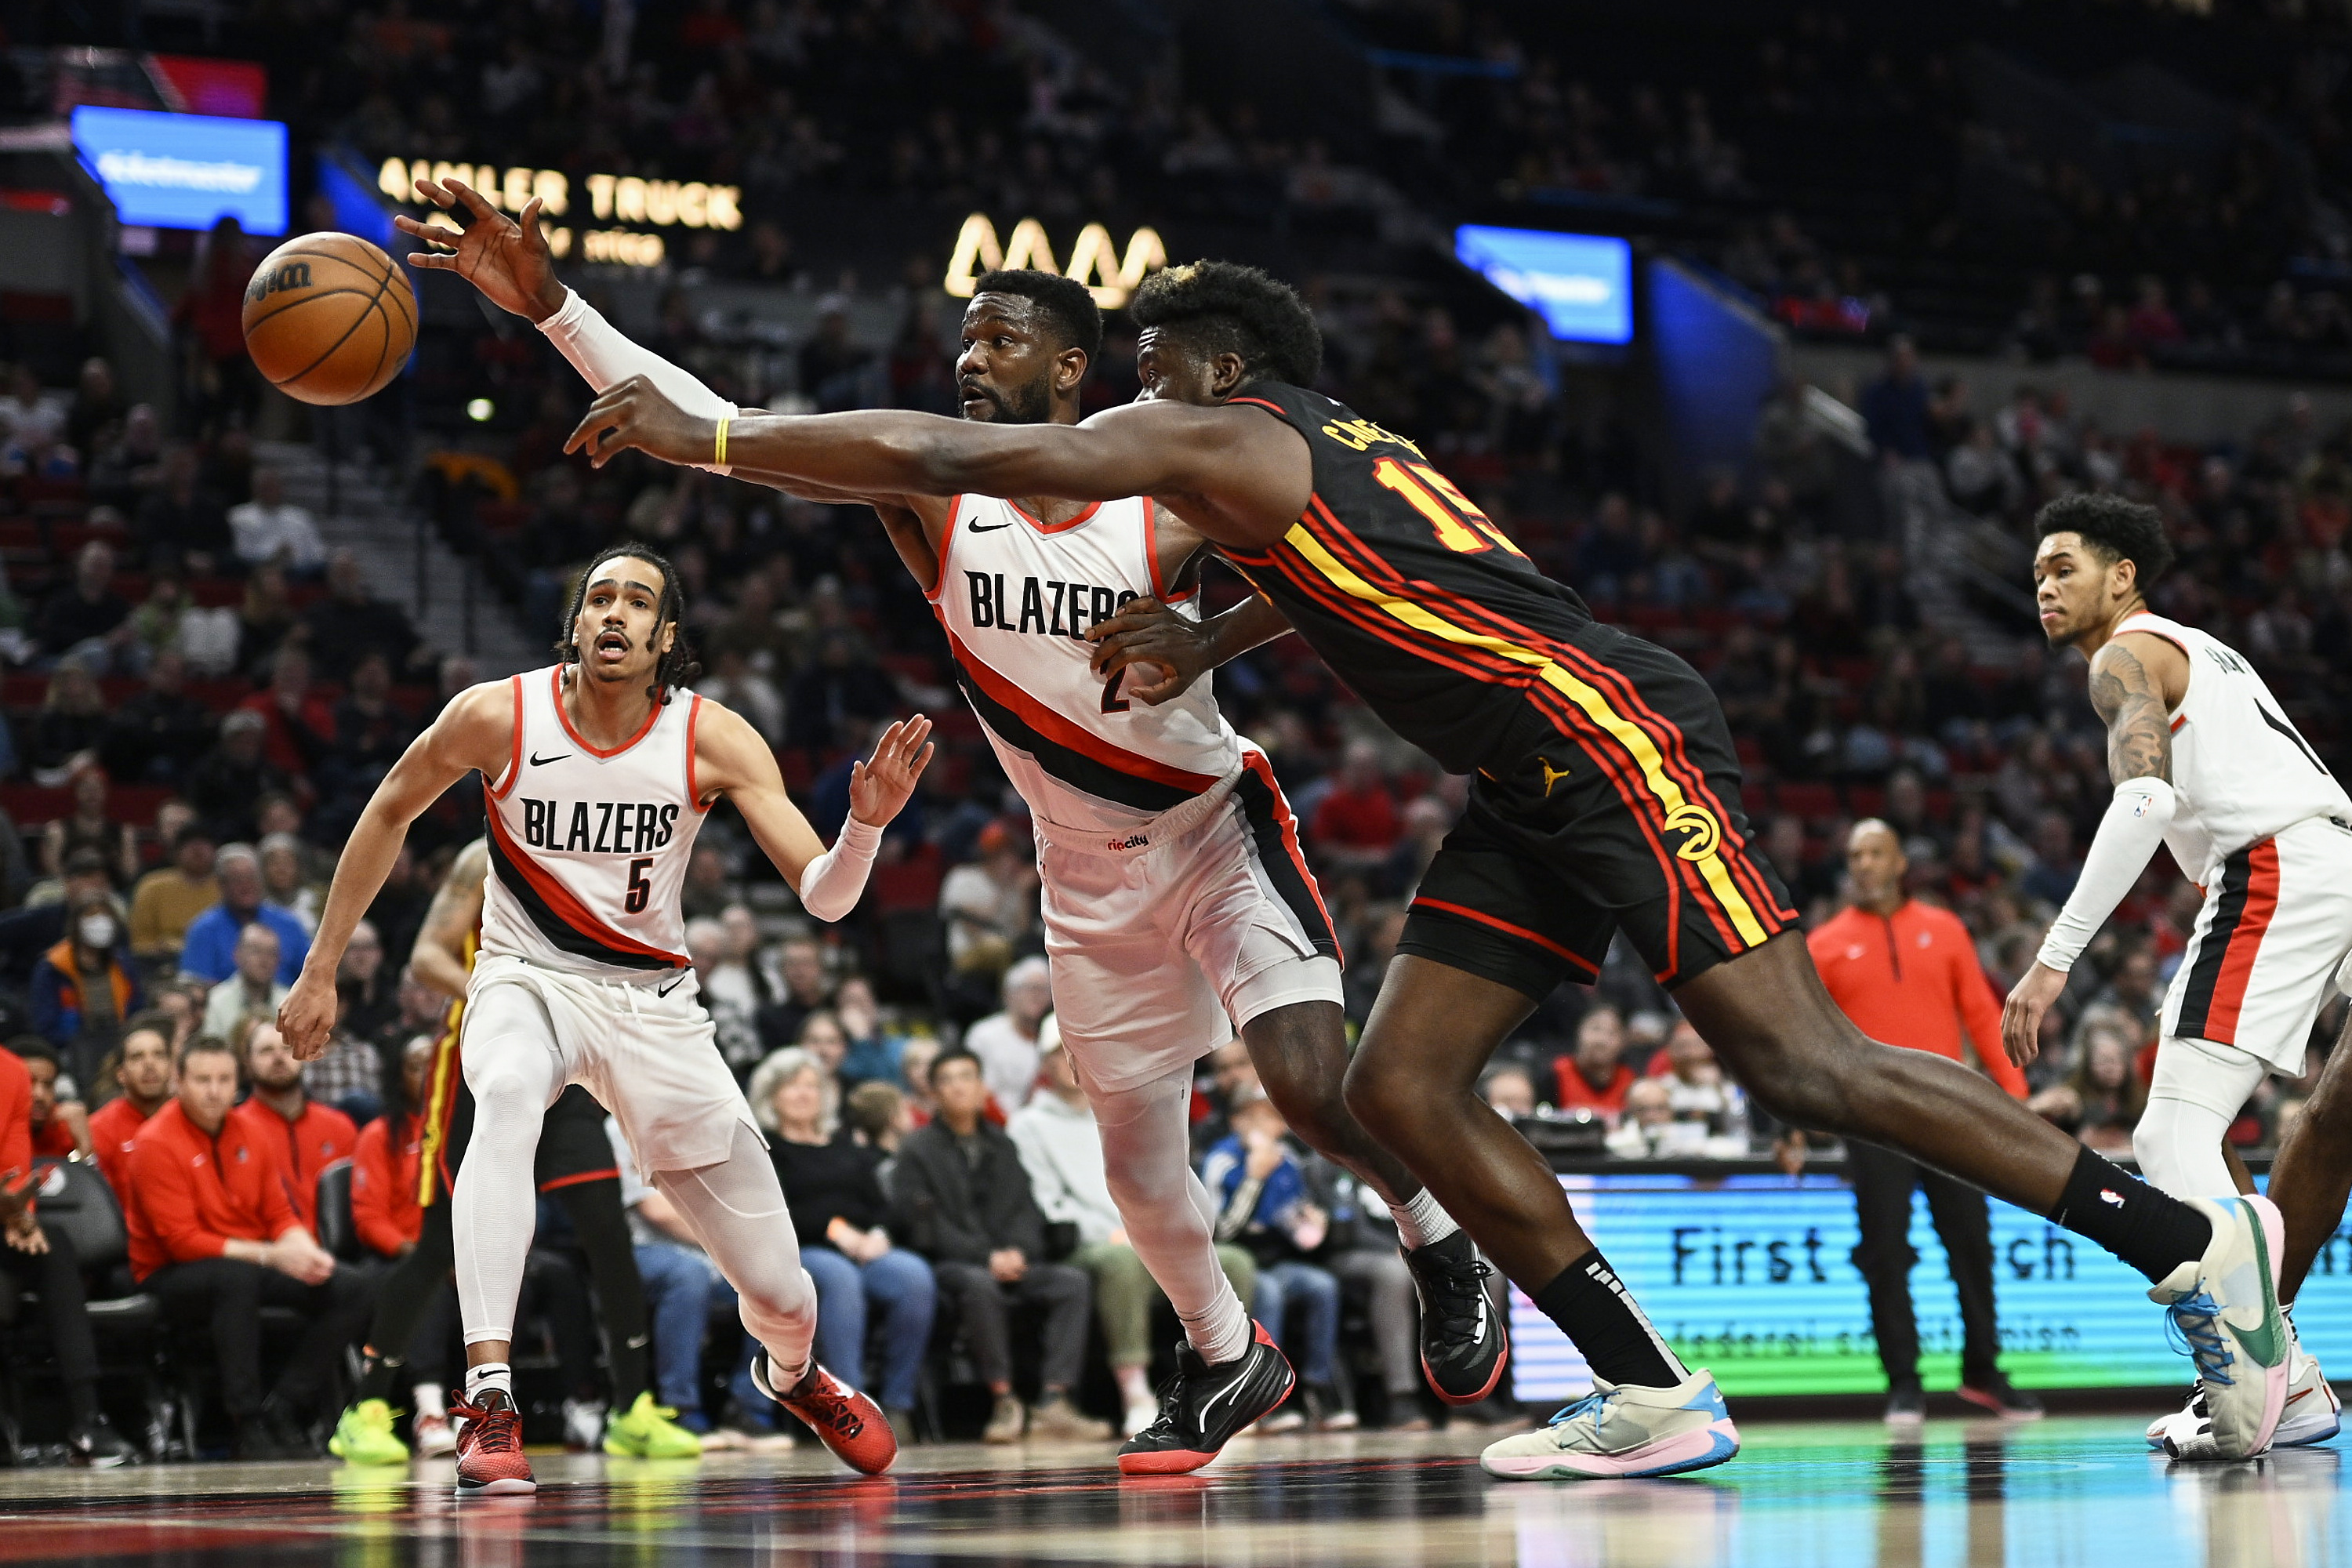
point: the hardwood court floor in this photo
(2066, 1491)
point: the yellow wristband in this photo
(719, 458)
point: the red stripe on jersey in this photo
(2245, 943)
(694, 794)
(514, 763)
(1257, 763)
(1044, 527)
(1466, 912)
(947, 542)
(1055, 728)
(567, 907)
(555, 685)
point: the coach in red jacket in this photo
(218, 1239)
(1906, 972)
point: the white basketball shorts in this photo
(2276, 922)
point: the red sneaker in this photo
(844, 1420)
(490, 1460)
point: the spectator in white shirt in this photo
(270, 529)
(1006, 1042)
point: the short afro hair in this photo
(1067, 302)
(1233, 309)
(2117, 529)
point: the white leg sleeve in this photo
(514, 1071)
(2198, 1090)
(1167, 1212)
(736, 1209)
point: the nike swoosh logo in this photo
(539, 761)
(2263, 1342)
(671, 987)
(990, 528)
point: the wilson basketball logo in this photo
(278, 280)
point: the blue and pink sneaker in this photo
(1621, 1430)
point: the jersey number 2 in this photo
(640, 891)
(1460, 525)
(1112, 701)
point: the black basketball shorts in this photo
(1613, 804)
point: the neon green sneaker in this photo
(650, 1431)
(363, 1435)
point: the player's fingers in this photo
(476, 202)
(923, 758)
(530, 223)
(1159, 691)
(432, 191)
(433, 260)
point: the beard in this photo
(1029, 404)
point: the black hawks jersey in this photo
(1408, 592)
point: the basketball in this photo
(329, 319)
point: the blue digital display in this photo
(1581, 284)
(185, 171)
(1753, 1278)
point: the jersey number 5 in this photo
(640, 891)
(1459, 524)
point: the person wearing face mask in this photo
(87, 985)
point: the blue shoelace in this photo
(2194, 1328)
(1595, 1404)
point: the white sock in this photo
(1420, 1221)
(432, 1399)
(1221, 1331)
(491, 1374)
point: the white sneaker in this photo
(2163, 1423)
(2225, 1312)
(583, 1424)
(436, 1438)
(2312, 1416)
(1622, 1430)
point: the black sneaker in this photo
(100, 1446)
(1907, 1406)
(1205, 1405)
(1464, 1344)
(1995, 1395)
(273, 1435)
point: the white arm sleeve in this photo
(831, 884)
(2128, 834)
(603, 356)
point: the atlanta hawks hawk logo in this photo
(1703, 834)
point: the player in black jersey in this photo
(1604, 797)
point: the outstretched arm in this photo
(731, 760)
(2134, 680)
(1251, 471)
(476, 733)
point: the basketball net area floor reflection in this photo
(2065, 1492)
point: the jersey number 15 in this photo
(1459, 524)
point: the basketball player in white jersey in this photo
(1164, 833)
(598, 772)
(2205, 761)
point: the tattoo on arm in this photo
(2139, 733)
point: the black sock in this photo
(2152, 1231)
(1597, 1313)
(81, 1406)
(376, 1374)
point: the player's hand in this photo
(508, 261)
(1788, 1152)
(1146, 633)
(306, 1017)
(634, 414)
(878, 788)
(2020, 1017)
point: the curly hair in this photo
(676, 668)
(2115, 529)
(1227, 308)
(1064, 302)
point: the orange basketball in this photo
(329, 319)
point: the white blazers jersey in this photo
(2240, 769)
(588, 847)
(1016, 596)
